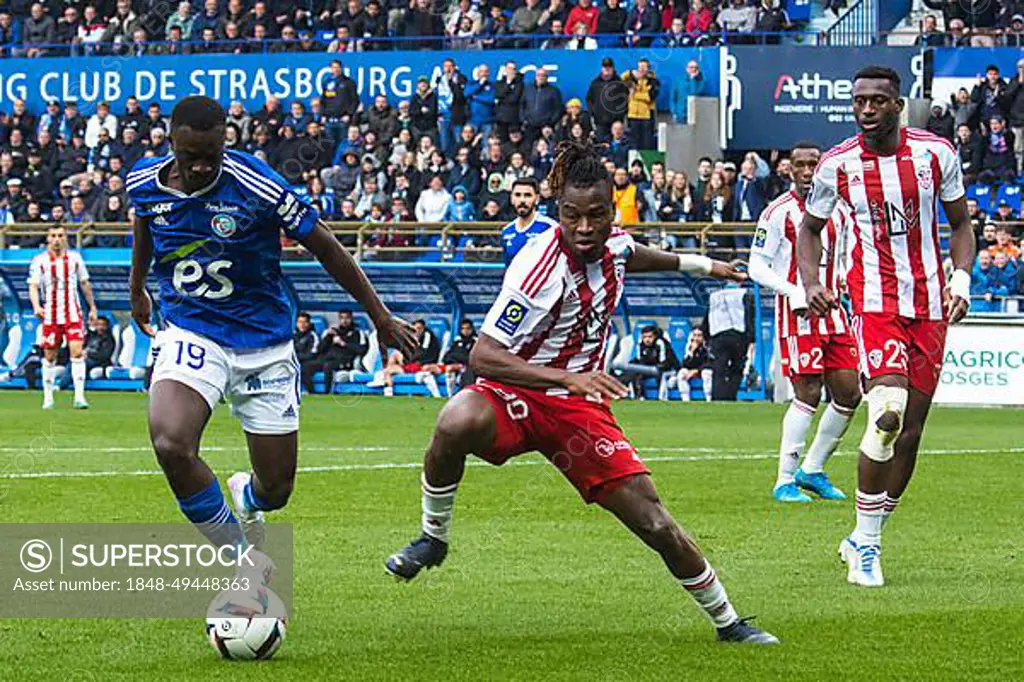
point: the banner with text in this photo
(775, 96)
(983, 365)
(252, 78)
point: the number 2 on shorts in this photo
(196, 355)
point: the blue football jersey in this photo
(513, 239)
(217, 253)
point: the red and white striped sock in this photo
(795, 426)
(870, 508)
(707, 590)
(890, 506)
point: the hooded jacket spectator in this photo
(384, 122)
(607, 97)
(460, 210)
(643, 94)
(507, 98)
(690, 84)
(940, 121)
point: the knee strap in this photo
(882, 430)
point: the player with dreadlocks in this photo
(539, 356)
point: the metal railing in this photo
(318, 43)
(377, 241)
(857, 27)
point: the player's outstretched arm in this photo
(808, 255)
(961, 250)
(391, 331)
(646, 259)
(492, 360)
(142, 257)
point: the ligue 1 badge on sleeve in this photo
(223, 225)
(511, 317)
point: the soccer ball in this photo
(246, 626)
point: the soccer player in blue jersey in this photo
(528, 223)
(209, 222)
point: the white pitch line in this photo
(738, 456)
(416, 448)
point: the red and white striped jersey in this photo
(556, 310)
(775, 239)
(895, 260)
(58, 279)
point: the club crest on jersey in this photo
(511, 317)
(760, 236)
(223, 225)
(875, 358)
(924, 177)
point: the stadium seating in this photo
(1011, 195)
(983, 195)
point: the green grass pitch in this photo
(554, 590)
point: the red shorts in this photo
(54, 334)
(814, 354)
(577, 435)
(892, 344)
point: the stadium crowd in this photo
(449, 153)
(972, 24)
(985, 123)
(143, 27)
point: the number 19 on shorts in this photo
(189, 354)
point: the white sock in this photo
(707, 590)
(870, 516)
(684, 387)
(437, 509)
(706, 375)
(78, 377)
(428, 380)
(890, 506)
(449, 383)
(830, 431)
(794, 435)
(389, 391)
(663, 387)
(49, 379)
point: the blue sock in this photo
(254, 502)
(211, 514)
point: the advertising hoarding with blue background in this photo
(251, 78)
(775, 96)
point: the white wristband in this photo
(694, 265)
(960, 284)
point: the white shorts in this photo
(262, 385)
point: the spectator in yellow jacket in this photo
(642, 109)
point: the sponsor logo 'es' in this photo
(809, 86)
